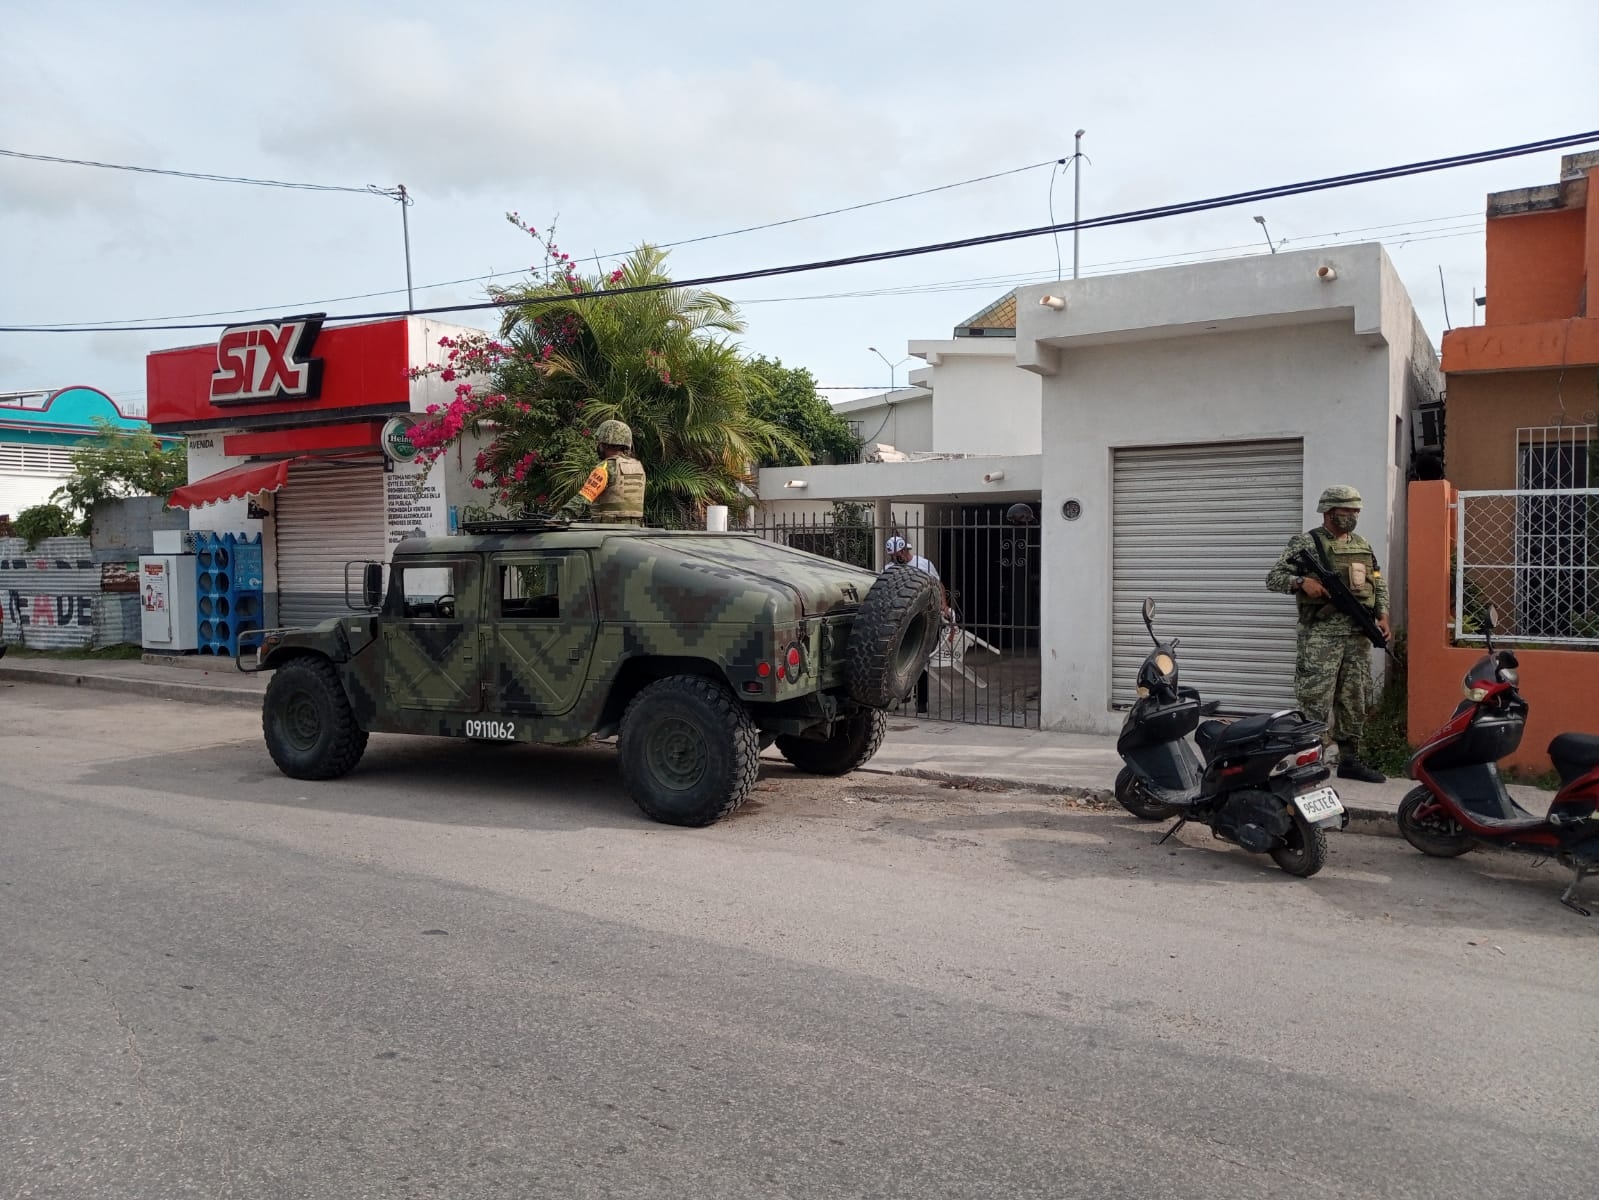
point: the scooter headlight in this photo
(1158, 672)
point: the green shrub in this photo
(42, 521)
(1386, 743)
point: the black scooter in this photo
(1257, 784)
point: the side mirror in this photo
(1492, 618)
(1149, 618)
(372, 585)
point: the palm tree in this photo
(665, 362)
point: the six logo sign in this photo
(257, 363)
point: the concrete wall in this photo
(127, 526)
(1244, 350)
(903, 418)
(18, 492)
(982, 404)
(1486, 410)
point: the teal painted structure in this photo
(64, 418)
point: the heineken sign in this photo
(396, 439)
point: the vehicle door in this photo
(431, 627)
(541, 626)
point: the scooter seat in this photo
(1213, 737)
(1574, 754)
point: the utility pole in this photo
(405, 226)
(1077, 197)
(399, 193)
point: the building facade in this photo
(1188, 419)
(39, 431)
(296, 434)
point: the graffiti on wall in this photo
(49, 597)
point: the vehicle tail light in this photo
(763, 669)
(1300, 758)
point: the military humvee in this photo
(697, 649)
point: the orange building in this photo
(1516, 523)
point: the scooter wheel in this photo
(1305, 850)
(1133, 798)
(1430, 834)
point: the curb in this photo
(1370, 822)
(188, 693)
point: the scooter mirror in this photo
(1149, 617)
(1490, 621)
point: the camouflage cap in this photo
(614, 433)
(1340, 495)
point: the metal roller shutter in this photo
(326, 516)
(1197, 528)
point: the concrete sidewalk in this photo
(1079, 765)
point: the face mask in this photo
(1344, 522)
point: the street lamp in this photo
(1261, 221)
(892, 366)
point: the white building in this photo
(1188, 419)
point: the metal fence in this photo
(986, 668)
(1533, 554)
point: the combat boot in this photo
(1350, 767)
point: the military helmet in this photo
(614, 433)
(1340, 495)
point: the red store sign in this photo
(280, 374)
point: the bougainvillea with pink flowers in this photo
(574, 350)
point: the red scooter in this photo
(1462, 802)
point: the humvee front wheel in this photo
(310, 731)
(689, 751)
(854, 739)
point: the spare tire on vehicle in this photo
(893, 635)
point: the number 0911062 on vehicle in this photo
(697, 649)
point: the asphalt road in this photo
(473, 971)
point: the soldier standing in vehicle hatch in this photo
(1332, 672)
(613, 493)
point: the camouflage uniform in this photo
(614, 491)
(1332, 669)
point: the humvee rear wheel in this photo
(689, 751)
(854, 740)
(894, 632)
(310, 731)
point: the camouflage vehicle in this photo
(697, 649)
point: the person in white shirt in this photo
(900, 555)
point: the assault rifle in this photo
(1339, 596)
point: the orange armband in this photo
(599, 479)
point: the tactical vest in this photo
(1354, 561)
(623, 497)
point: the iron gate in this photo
(986, 668)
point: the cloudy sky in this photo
(632, 121)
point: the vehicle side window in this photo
(428, 591)
(530, 590)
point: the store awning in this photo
(233, 484)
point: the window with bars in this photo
(1557, 531)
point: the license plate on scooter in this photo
(1320, 805)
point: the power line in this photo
(1134, 216)
(1307, 241)
(201, 175)
(300, 305)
